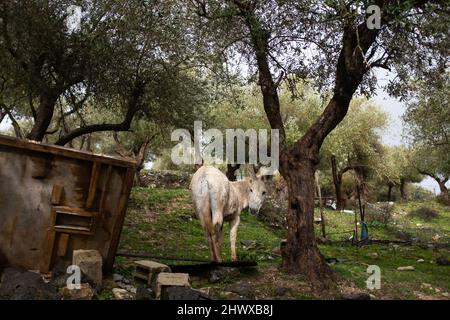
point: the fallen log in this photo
(202, 266)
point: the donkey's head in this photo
(256, 194)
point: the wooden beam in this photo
(127, 183)
(57, 194)
(46, 259)
(104, 186)
(63, 244)
(63, 151)
(95, 173)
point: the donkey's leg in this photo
(213, 247)
(233, 234)
(219, 241)
(217, 220)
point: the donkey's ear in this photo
(251, 171)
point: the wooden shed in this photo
(54, 200)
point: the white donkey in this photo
(216, 200)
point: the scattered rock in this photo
(407, 268)
(373, 255)
(436, 237)
(241, 288)
(165, 279)
(144, 294)
(420, 260)
(356, 296)
(248, 243)
(207, 291)
(122, 294)
(86, 292)
(118, 277)
(426, 286)
(90, 263)
(445, 294)
(282, 291)
(228, 295)
(181, 293)
(442, 261)
(331, 261)
(60, 281)
(221, 272)
(21, 284)
(130, 288)
(276, 250)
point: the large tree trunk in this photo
(44, 115)
(301, 254)
(337, 181)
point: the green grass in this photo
(421, 228)
(160, 222)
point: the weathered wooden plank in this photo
(63, 244)
(47, 250)
(95, 173)
(57, 194)
(103, 196)
(64, 152)
(127, 183)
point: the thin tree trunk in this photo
(440, 181)
(402, 189)
(442, 187)
(319, 194)
(3, 114)
(140, 154)
(389, 197)
(337, 181)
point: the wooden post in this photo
(319, 193)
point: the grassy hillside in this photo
(160, 222)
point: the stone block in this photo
(90, 263)
(164, 280)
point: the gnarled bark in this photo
(44, 115)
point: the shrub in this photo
(425, 213)
(443, 199)
(379, 213)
